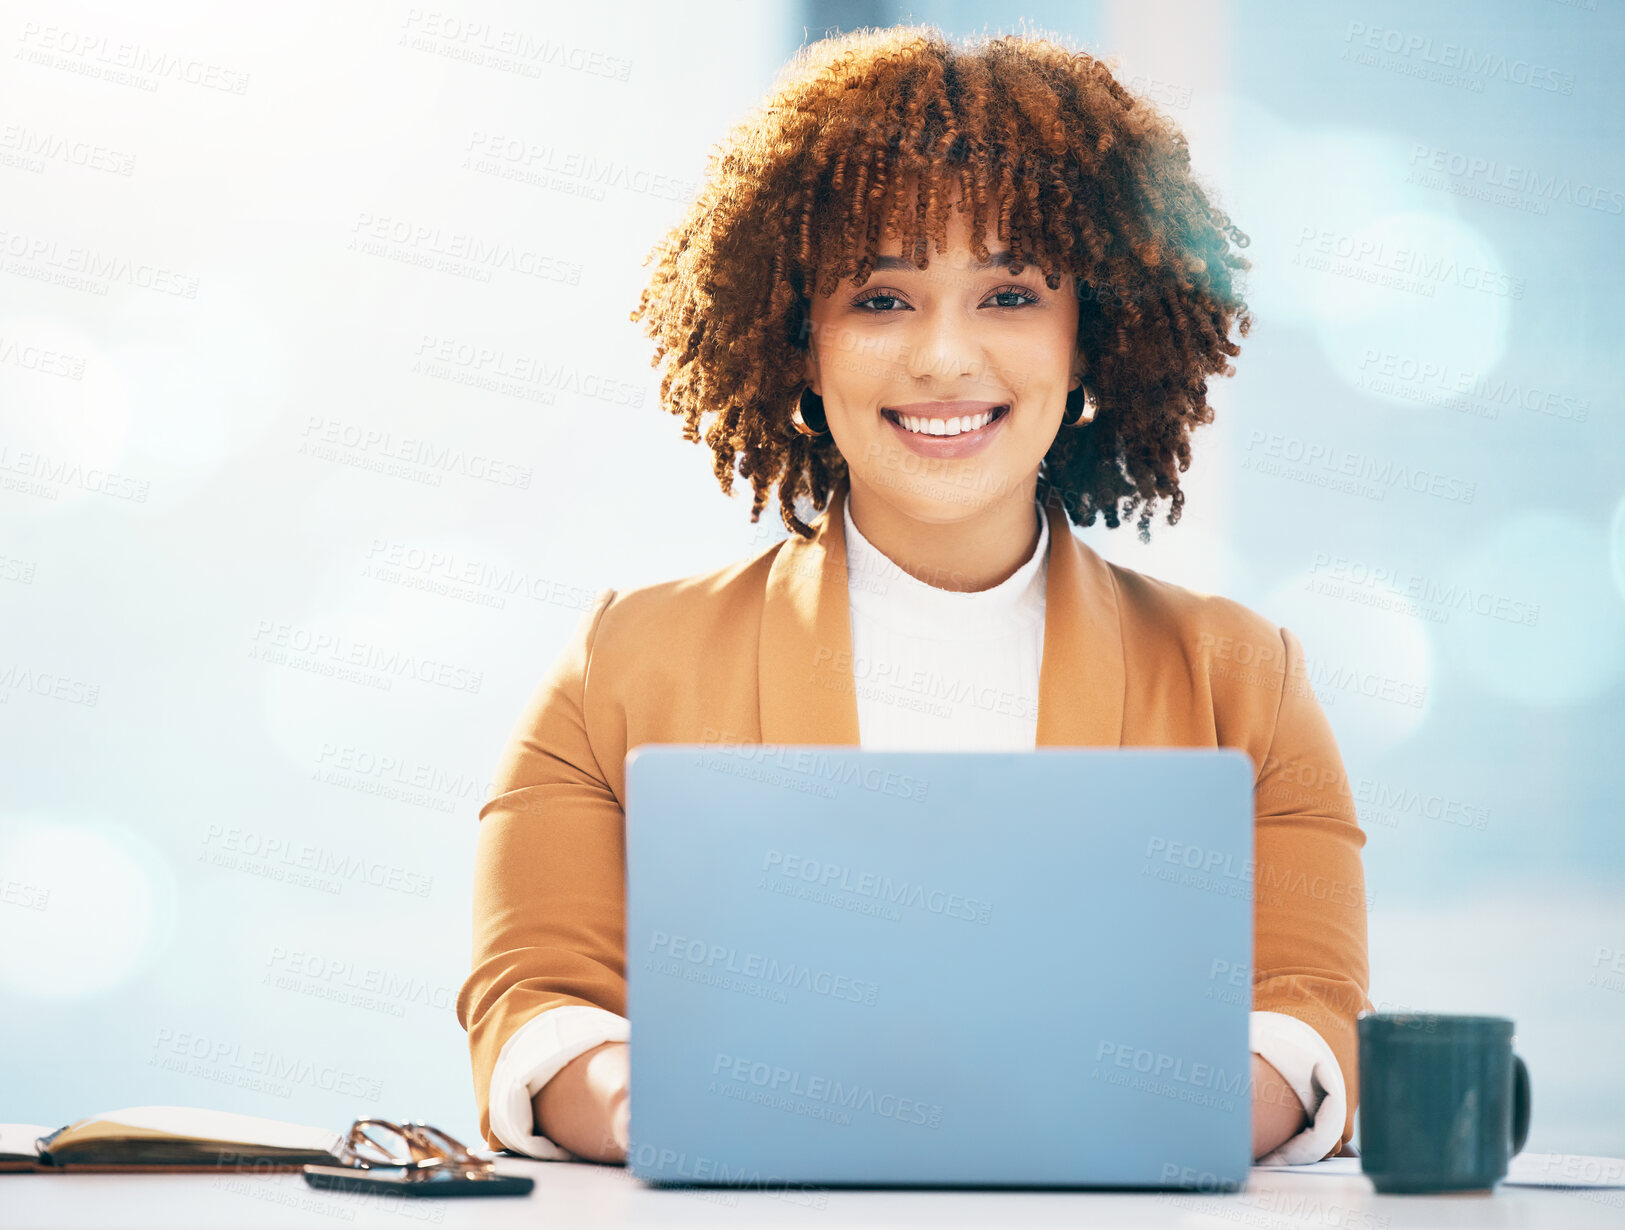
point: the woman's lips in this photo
(965, 444)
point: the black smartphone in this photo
(395, 1180)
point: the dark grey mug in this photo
(1444, 1103)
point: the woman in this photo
(953, 295)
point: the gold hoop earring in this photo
(1079, 408)
(808, 417)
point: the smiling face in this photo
(944, 387)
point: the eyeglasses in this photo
(417, 1148)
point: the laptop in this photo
(939, 969)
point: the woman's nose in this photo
(943, 345)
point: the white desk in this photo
(570, 1194)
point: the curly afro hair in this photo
(1085, 178)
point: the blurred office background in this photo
(314, 343)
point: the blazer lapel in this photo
(804, 663)
(806, 686)
(1081, 679)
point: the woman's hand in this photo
(1278, 1114)
(586, 1107)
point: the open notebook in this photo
(168, 1138)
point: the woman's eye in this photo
(876, 299)
(1025, 296)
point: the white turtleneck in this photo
(934, 670)
(945, 670)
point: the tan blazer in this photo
(760, 652)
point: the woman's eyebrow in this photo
(899, 264)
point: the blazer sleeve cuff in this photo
(1305, 1061)
(533, 1056)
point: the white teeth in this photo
(946, 427)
